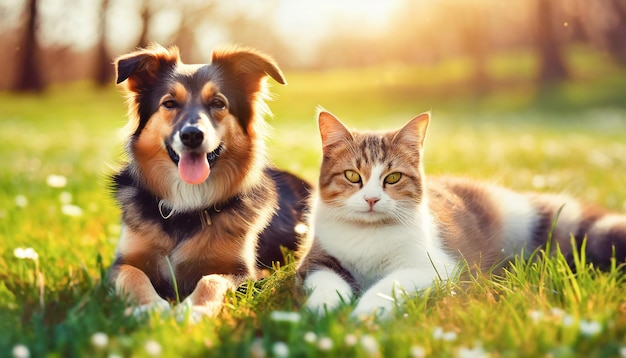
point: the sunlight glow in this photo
(310, 21)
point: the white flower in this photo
(20, 351)
(557, 312)
(567, 320)
(535, 315)
(56, 181)
(350, 340)
(417, 352)
(257, 350)
(449, 336)
(589, 328)
(71, 210)
(310, 337)
(439, 333)
(26, 253)
(100, 340)
(622, 352)
(280, 349)
(325, 344)
(285, 316)
(21, 201)
(370, 345)
(477, 352)
(153, 348)
(65, 197)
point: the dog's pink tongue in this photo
(193, 168)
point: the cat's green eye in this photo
(393, 178)
(352, 176)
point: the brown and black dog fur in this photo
(216, 231)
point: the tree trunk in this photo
(552, 66)
(475, 36)
(29, 78)
(104, 66)
(143, 41)
(616, 34)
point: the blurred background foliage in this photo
(43, 42)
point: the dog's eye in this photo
(170, 104)
(217, 103)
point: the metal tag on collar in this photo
(163, 215)
(206, 218)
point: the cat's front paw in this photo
(321, 301)
(327, 290)
(374, 304)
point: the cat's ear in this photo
(414, 132)
(331, 130)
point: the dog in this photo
(202, 208)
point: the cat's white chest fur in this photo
(371, 252)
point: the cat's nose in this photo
(372, 201)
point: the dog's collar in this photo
(211, 157)
(204, 214)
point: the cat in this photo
(381, 228)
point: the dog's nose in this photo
(191, 136)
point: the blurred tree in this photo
(193, 15)
(412, 39)
(616, 30)
(256, 31)
(346, 49)
(213, 23)
(552, 66)
(29, 78)
(474, 35)
(604, 25)
(104, 68)
(146, 15)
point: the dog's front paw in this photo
(160, 306)
(210, 289)
(187, 311)
(207, 299)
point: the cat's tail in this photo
(601, 233)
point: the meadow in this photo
(59, 225)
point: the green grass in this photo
(570, 138)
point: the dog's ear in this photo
(142, 68)
(247, 65)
